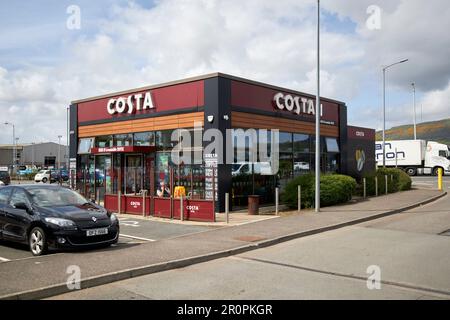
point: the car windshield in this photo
(49, 197)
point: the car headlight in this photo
(113, 218)
(64, 223)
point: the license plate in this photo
(97, 232)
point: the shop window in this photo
(302, 143)
(164, 140)
(85, 145)
(144, 139)
(302, 163)
(332, 145)
(285, 142)
(123, 140)
(104, 141)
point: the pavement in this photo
(410, 250)
(48, 275)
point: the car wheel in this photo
(37, 241)
(44, 180)
(411, 171)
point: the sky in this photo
(120, 44)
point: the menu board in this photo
(211, 165)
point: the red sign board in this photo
(127, 149)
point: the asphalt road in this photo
(411, 251)
(430, 182)
(134, 231)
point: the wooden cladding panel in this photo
(250, 120)
(142, 125)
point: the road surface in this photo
(411, 251)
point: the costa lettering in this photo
(296, 104)
(130, 104)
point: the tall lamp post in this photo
(59, 152)
(67, 139)
(14, 144)
(384, 108)
(414, 106)
(317, 182)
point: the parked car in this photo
(298, 166)
(46, 216)
(59, 174)
(5, 179)
(43, 176)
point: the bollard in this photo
(299, 198)
(365, 188)
(376, 186)
(143, 202)
(119, 204)
(227, 209)
(276, 201)
(386, 184)
(440, 186)
(181, 208)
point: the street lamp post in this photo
(317, 182)
(14, 143)
(67, 139)
(414, 106)
(32, 155)
(59, 152)
(384, 108)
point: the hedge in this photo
(398, 180)
(334, 189)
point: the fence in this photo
(185, 191)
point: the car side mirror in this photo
(23, 206)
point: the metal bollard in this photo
(227, 208)
(181, 208)
(119, 200)
(365, 188)
(440, 184)
(376, 186)
(386, 183)
(299, 198)
(276, 201)
(144, 192)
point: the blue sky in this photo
(122, 44)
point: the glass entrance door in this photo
(102, 177)
(133, 174)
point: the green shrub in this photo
(398, 180)
(335, 189)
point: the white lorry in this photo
(415, 157)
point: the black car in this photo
(44, 216)
(5, 178)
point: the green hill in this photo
(435, 131)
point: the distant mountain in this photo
(435, 131)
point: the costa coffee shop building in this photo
(121, 142)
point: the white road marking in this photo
(137, 238)
(4, 259)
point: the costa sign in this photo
(296, 104)
(130, 104)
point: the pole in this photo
(376, 186)
(299, 198)
(181, 208)
(440, 184)
(276, 201)
(414, 104)
(384, 117)
(317, 182)
(386, 183)
(59, 153)
(67, 138)
(227, 207)
(365, 188)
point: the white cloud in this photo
(257, 39)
